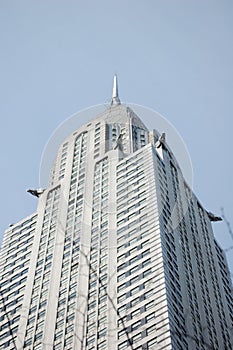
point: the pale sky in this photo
(173, 56)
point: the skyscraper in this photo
(120, 254)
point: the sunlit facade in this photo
(120, 254)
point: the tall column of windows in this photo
(139, 260)
(174, 293)
(165, 213)
(67, 298)
(59, 166)
(96, 332)
(187, 241)
(225, 276)
(215, 284)
(193, 313)
(211, 324)
(39, 297)
(62, 166)
(97, 141)
(15, 258)
(200, 263)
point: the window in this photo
(102, 320)
(135, 301)
(135, 258)
(91, 305)
(135, 313)
(150, 317)
(91, 339)
(135, 279)
(121, 277)
(123, 345)
(121, 333)
(149, 305)
(136, 325)
(38, 336)
(147, 273)
(135, 290)
(151, 343)
(134, 269)
(68, 340)
(102, 345)
(137, 337)
(121, 298)
(28, 342)
(121, 287)
(102, 333)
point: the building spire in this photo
(115, 98)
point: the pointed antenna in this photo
(115, 98)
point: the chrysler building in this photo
(120, 254)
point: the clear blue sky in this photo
(174, 56)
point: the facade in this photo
(120, 254)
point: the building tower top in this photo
(115, 98)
